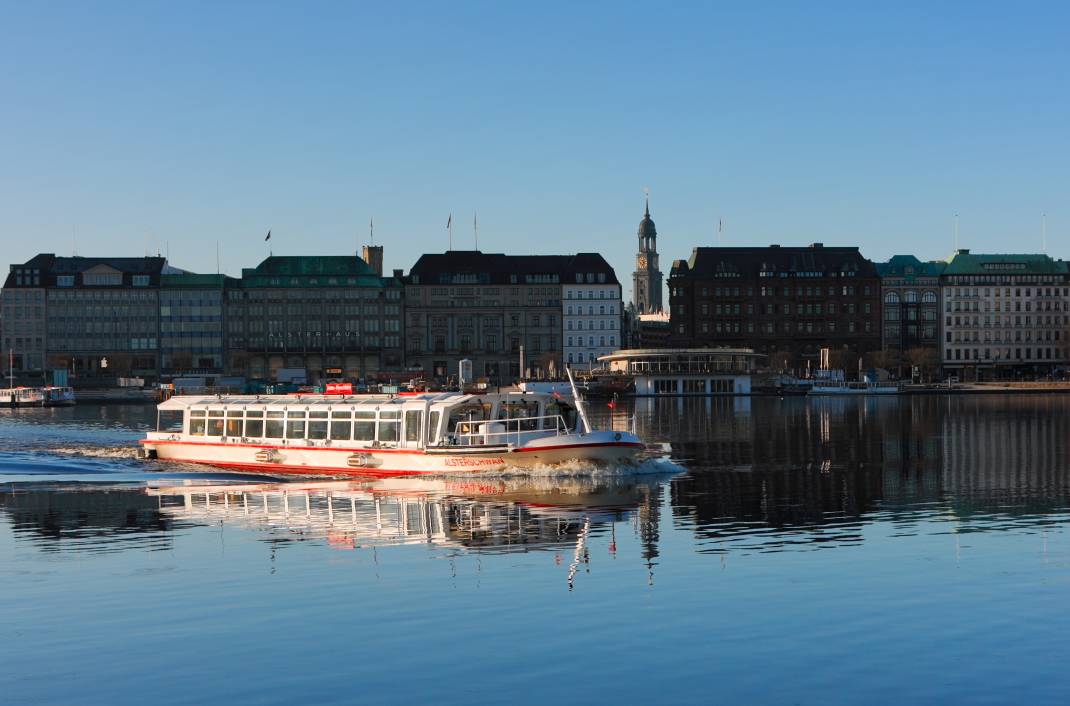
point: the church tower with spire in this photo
(646, 280)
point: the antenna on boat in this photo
(580, 409)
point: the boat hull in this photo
(598, 448)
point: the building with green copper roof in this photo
(910, 310)
(1005, 314)
(332, 316)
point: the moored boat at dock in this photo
(22, 397)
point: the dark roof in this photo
(909, 266)
(646, 226)
(966, 263)
(476, 267)
(49, 267)
(128, 265)
(748, 262)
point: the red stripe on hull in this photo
(263, 469)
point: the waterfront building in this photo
(332, 317)
(496, 309)
(95, 317)
(910, 294)
(591, 308)
(191, 323)
(1004, 314)
(22, 308)
(678, 371)
(646, 280)
(785, 302)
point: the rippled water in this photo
(784, 551)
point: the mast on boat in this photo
(580, 408)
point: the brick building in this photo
(790, 301)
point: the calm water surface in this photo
(825, 551)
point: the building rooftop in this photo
(966, 263)
(909, 267)
(476, 267)
(312, 271)
(49, 266)
(813, 260)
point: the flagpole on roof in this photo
(475, 228)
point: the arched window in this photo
(911, 297)
(891, 298)
(928, 297)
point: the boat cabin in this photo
(369, 421)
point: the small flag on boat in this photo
(556, 394)
(268, 237)
(611, 404)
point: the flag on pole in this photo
(449, 222)
(268, 237)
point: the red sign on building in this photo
(338, 388)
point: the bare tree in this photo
(782, 360)
(926, 360)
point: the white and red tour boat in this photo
(383, 435)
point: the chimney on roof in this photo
(815, 246)
(373, 255)
(399, 274)
(962, 251)
(775, 245)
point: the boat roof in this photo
(181, 402)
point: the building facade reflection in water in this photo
(799, 464)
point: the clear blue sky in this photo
(183, 124)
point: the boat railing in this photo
(496, 432)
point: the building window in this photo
(102, 280)
(141, 280)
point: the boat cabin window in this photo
(317, 425)
(566, 412)
(273, 428)
(523, 410)
(389, 421)
(215, 422)
(432, 427)
(364, 425)
(234, 421)
(341, 425)
(169, 420)
(412, 424)
(196, 422)
(465, 418)
(254, 423)
(295, 424)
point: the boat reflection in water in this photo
(483, 514)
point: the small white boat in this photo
(22, 397)
(854, 388)
(383, 435)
